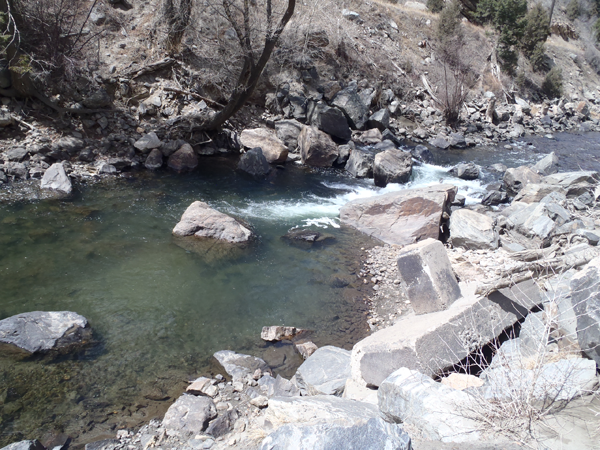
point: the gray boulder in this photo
(515, 179)
(278, 387)
(44, 331)
(352, 106)
(494, 198)
(201, 221)
(274, 150)
(569, 179)
(189, 415)
(374, 434)
(288, 131)
(538, 220)
(585, 300)
(438, 412)
(56, 179)
(147, 142)
(254, 163)
(317, 148)
(16, 169)
(68, 144)
(380, 119)
(360, 163)
(548, 165)
(535, 192)
(238, 365)
(154, 160)
(98, 99)
(422, 153)
(426, 276)
(440, 142)
(473, 231)
(402, 217)
(25, 445)
(16, 154)
(104, 444)
(466, 171)
(324, 372)
(331, 121)
(279, 333)
(184, 159)
(392, 166)
(431, 343)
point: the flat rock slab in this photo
(239, 365)
(426, 275)
(403, 217)
(190, 414)
(43, 331)
(375, 434)
(202, 221)
(433, 342)
(324, 372)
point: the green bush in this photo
(538, 58)
(553, 84)
(573, 10)
(435, 6)
(535, 30)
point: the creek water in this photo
(159, 310)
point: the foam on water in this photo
(322, 211)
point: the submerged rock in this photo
(44, 331)
(307, 237)
(200, 220)
(238, 365)
(278, 333)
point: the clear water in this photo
(158, 310)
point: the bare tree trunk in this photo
(251, 70)
(550, 14)
(178, 18)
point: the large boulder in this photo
(534, 192)
(184, 159)
(25, 445)
(431, 343)
(515, 179)
(288, 131)
(352, 106)
(317, 148)
(472, 230)
(374, 434)
(44, 331)
(466, 171)
(438, 412)
(154, 160)
(273, 148)
(380, 119)
(426, 275)
(238, 365)
(148, 142)
(254, 163)
(190, 415)
(324, 372)
(537, 220)
(585, 300)
(360, 163)
(548, 165)
(56, 179)
(392, 166)
(331, 121)
(200, 220)
(403, 217)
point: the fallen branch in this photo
(162, 64)
(428, 88)
(192, 94)
(22, 122)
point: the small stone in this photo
(260, 402)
